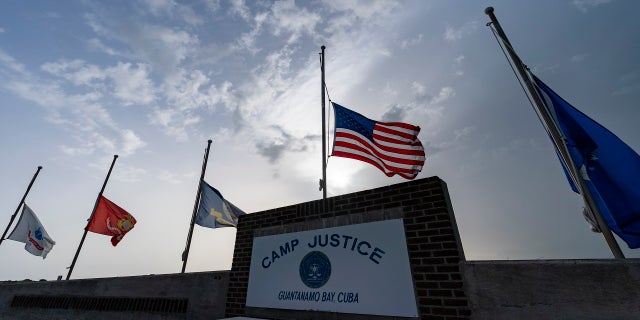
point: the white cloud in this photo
(390, 90)
(172, 9)
(80, 111)
(408, 43)
(89, 123)
(175, 178)
(11, 63)
(433, 107)
(267, 82)
(163, 48)
(192, 89)
(89, 115)
(187, 96)
(97, 45)
(296, 21)
(453, 34)
(363, 9)
(96, 26)
(173, 122)
(125, 143)
(221, 135)
(88, 143)
(163, 45)
(103, 142)
(443, 95)
(421, 104)
(585, 5)
(270, 111)
(170, 177)
(159, 7)
(186, 92)
(355, 18)
(578, 58)
(457, 65)
(131, 142)
(418, 89)
(212, 5)
(76, 151)
(247, 40)
(131, 83)
(129, 174)
(434, 145)
(76, 71)
(53, 15)
(628, 84)
(91, 141)
(239, 7)
(464, 132)
(627, 89)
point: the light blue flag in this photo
(214, 211)
(610, 168)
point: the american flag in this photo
(392, 147)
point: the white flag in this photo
(30, 231)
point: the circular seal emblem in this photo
(315, 269)
(38, 233)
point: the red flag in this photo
(111, 220)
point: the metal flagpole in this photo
(84, 235)
(323, 182)
(556, 136)
(185, 253)
(20, 204)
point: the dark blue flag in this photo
(214, 211)
(610, 168)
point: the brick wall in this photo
(435, 251)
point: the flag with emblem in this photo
(214, 211)
(392, 147)
(111, 220)
(609, 167)
(30, 231)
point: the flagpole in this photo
(323, 182)
(556, 136)
(84, 235)
(185, 253)
(20, 204)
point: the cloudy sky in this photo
(153, 80)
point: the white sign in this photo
(362, 268)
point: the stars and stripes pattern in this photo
(392, 147)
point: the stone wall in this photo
(198, 295)
(554, 289)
